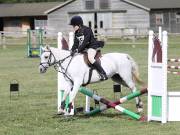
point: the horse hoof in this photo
(140, 110)
(67, 114)
(60, 113)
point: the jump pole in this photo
(89, 93)
(120, 101)
(62, 88)
(62, 84)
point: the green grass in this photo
(33, 112)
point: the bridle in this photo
(58, 64)
(49, 62)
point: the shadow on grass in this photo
(81, 116)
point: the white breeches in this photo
(91, 54)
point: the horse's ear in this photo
(47, 47)
(42, 48)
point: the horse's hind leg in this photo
(127, 79)
(139, 104)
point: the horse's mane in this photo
(61, 52)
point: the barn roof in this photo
(43, 8)
(26, 9)
(58, 6)
(156, 4)
(144, 4)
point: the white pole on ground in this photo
(87, 107)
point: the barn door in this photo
(88, 19)
(104, 22)
(1, 24)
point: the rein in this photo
(58, 64)
(64, 70)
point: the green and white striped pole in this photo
(120, 101)
(89, 93)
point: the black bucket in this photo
(14, 87)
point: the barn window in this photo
(90, 25)
(159, 19)
(178, 18)
(89, 4)
(40, 23)
(104, 4)
(101, 24)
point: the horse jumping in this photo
(120, 67)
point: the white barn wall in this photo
(134, 17)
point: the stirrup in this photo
(103, 77)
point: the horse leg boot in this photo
(100, 70)
(139, 104)
(63, 102)
(73, 94)
(131, 84)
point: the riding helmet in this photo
(76, 20)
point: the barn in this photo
(164, 13)
(105, 17)
(118, 17)
(109, 17)
(23, 16)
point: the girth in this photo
(91, 68)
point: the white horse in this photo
(120, 67)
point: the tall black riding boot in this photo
(100, 70)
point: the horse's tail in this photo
(135, 71)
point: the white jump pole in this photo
(61, 80)
(160, 34)
(59, 97)
(71, 41)
(62, 84)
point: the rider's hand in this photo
(73, 52)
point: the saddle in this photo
(87, 62)
(97, 58)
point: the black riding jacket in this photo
(84, 39)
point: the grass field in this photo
(34, 111)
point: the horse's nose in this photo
(41, 70)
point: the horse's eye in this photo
(46, 57)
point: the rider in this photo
(84, 40)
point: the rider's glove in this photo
(73, 52)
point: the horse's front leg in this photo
(63, 102)
(73, 94)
